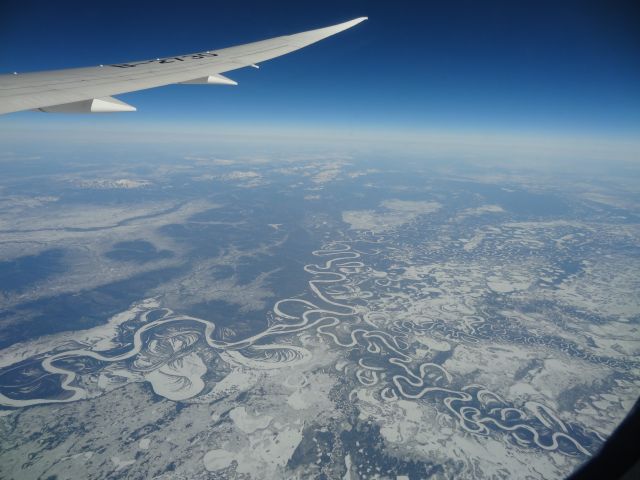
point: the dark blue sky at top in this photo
(523, 66)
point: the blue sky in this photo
(517, 67)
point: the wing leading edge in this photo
(90, 89)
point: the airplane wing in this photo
(89, 90)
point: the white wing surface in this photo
(89, 90)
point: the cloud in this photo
(394, 214)
(108, 184)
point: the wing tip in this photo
(340, 27)
(355, 21)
